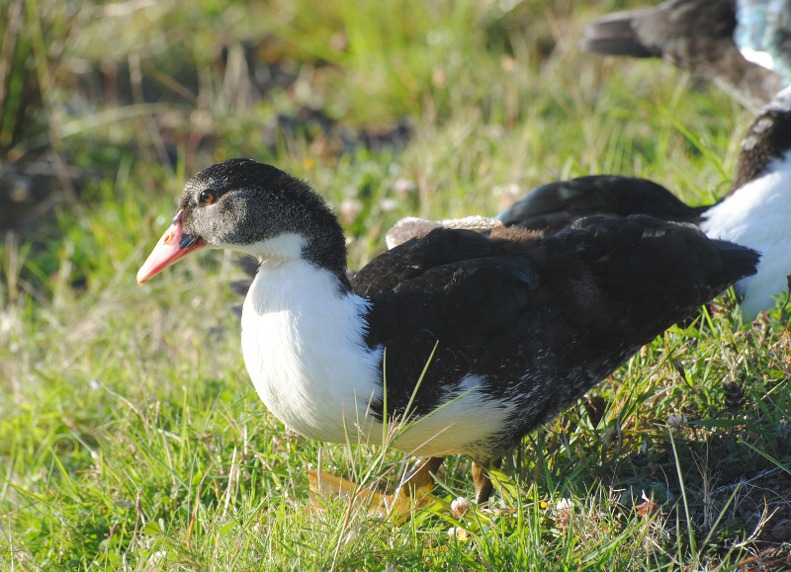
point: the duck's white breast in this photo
(758, 215)
(303, 342)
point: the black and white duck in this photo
(510, 328)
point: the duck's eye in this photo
(206, 197)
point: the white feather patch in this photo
(758, 215)
(303, 345)
(462, 424)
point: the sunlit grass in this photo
(130, 436)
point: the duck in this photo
(453, 343)
(742, 46)
(754, 213)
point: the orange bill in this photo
(173, 246)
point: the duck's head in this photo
(251, 207)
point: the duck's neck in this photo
(325, 243)
(766, 144)
(320, 241)
(303, 340)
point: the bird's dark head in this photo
(238, 203)
(252, 207)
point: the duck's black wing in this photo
(556, 205)
(535, 319)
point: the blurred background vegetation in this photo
(93, 91)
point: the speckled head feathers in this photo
(767, 140)
(240, 202)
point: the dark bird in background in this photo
(480, 338)
(709, 38)
(555, 205)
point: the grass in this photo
(130, 436)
